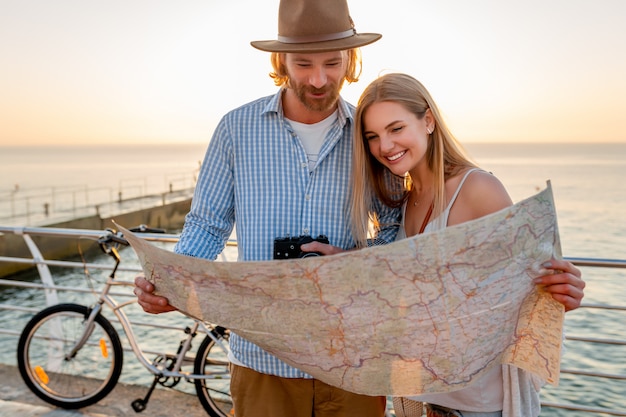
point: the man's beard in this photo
(328, 102)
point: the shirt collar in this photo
(275, 105)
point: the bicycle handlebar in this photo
(110, 241)
(113, 237)
(142, 228)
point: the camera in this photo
(289, 247)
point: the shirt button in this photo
(306, 231)
(307, 197)
(304, 165)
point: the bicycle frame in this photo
(117, 308)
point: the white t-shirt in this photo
(312, 136)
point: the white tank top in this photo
(441, 221)
(486, 394)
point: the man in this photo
(280, 166)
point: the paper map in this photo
(422, 315)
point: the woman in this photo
(399, 130)
(405, 154)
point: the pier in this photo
(131, 204)
(17, 400)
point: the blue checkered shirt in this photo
(256, 173)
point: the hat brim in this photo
(354, 41)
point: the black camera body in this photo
(289, 247)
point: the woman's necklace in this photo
(416, 200)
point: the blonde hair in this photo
(281, 78)
(372, 180)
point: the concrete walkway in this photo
(16, 400)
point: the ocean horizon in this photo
(587, 178)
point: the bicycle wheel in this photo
(212, 361)
(69, 382)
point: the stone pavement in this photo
(16, 400)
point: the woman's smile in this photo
(396, 156)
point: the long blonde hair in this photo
(372, 180)
(353, 69)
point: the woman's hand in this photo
(564, 283)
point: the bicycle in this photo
(70, 355)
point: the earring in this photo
(429, 130)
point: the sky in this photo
(156, 71)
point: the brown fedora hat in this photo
(315, 26)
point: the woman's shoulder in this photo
(481, 193)
(481, 180)
(474, 179)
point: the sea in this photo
(589, 186)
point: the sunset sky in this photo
(154, 71)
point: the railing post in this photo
(44, 271)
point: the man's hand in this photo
(323, 248)
(153, 304)
(564, 282)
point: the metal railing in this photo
(47, 284)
